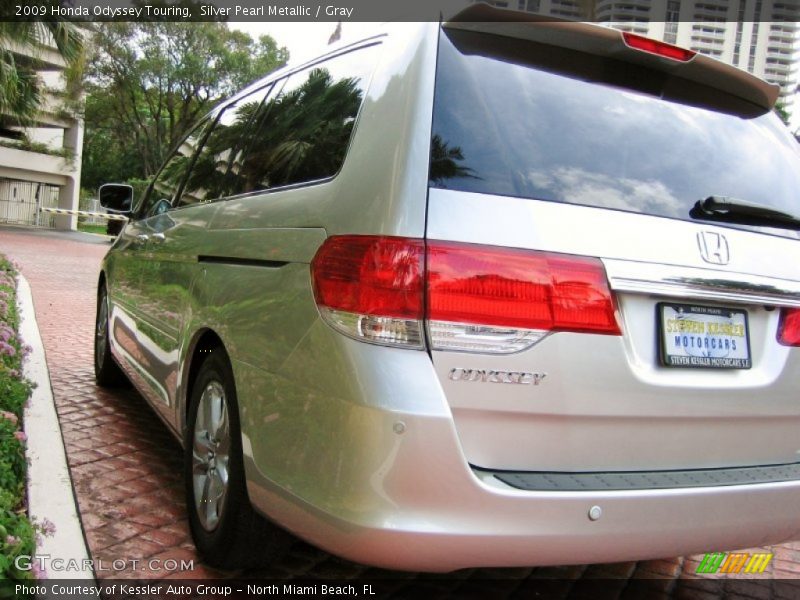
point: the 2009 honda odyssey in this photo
(479, 293)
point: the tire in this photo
(106, 371)
(226, 529)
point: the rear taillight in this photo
(789, 327)
(659, 48)
(472, 297)
(371, 288)
(492, 299)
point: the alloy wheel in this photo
(211, 455)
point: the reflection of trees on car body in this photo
(270, 138)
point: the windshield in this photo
(521, 119)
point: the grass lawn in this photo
(89, 228)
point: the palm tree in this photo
(445, 162)
(20, 43)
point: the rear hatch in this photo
(590, 314)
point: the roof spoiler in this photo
(607, 42)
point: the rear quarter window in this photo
(301, 132)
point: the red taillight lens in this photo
(655, 47)
(479, 298)
(370, 275)
(518, 288)
(789, 327)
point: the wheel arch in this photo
(203, 342)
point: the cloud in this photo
(578, 186)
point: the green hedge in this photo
(17, 533)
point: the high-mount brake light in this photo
(473, 298)
(656, 47)
(789, 327)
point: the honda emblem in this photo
(713, 247)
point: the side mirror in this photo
(116, 197)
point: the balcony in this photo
(42, 58)
(629, 27)
(785, 12)
(16, 159)
(778, 44)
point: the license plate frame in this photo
(724, 343)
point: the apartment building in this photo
(40, 165)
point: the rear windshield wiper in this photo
(731, 210)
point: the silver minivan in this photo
(477, 293)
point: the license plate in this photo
(703, 336)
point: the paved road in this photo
(126, 468)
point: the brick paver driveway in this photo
(126, 467)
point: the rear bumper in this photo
(372, 469)
(447, 521)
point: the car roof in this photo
(333, 50)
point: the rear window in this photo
(521, 119)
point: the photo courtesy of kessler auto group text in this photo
(410, 299)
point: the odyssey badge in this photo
(489, 376)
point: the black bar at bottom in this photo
(548, 481)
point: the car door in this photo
(149, 329)
(178, 242)
(124, 274)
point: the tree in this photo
(300, 135)
(105, 157)
(20, 86)
(780, 110)
(445, 162)
(148, 83)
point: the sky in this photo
(303, 40)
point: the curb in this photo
(50, 492)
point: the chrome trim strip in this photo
(701, 284)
